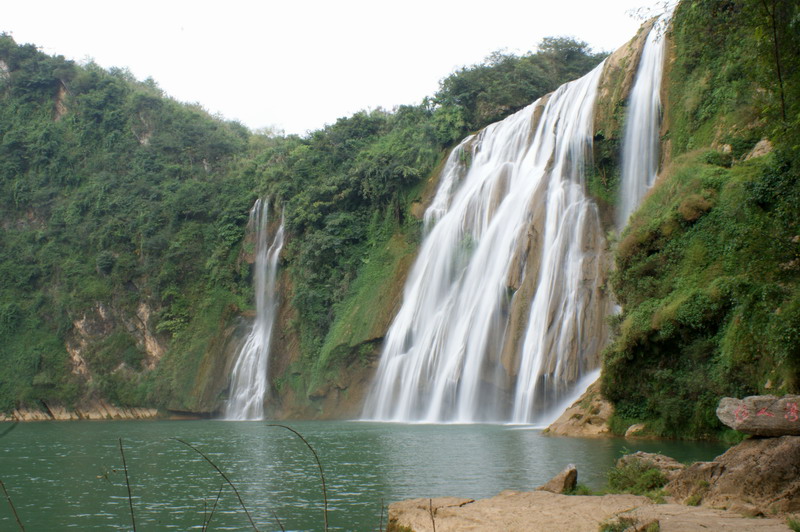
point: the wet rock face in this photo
(757, 477)
(588, 416)
(762, 415)
(100, 322)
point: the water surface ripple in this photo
(69, 474)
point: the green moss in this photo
(708, 266)
(191, 367)
(704, 276)
(713, 96)
(364, 315)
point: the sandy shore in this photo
(543, 511)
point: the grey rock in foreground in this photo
(564, 482)
(762, 415)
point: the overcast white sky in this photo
(297, 65)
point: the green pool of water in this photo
(64, 475)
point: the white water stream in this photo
(249, 377)
(640, 145)
(503, 316)
(510, 213)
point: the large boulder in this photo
(762, 415)
(760, 476)
(564, 482)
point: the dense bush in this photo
(636, 476)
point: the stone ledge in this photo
(94, 410)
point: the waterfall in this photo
(502, 311)
(640, 154)
(249, 377)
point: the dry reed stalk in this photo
(206, 522)
(241, 502)
(207, 459)
(10, 503)
(9, 429)
(128, 484)
(319, 465)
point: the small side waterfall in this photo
(249, 377)
(640, 145)
(502, 311)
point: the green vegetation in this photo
(580, 489)
(123, 215)
(112, 197)
(348, 191)
(637, 477)
(634, 476)
(708, 271)
(476, 96)
(624, 522)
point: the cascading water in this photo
(510, 224)
(249, 377)
(640, 145)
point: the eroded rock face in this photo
(762, 415)
(620, 70)
(100, 322)
(60, 108)
(762, 147)
(760, 476)
(93, 325)
(588, 416)
(154, 348)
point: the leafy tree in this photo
(478, 95)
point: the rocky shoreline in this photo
(753, 486)
(94, 410)
(534, 511)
